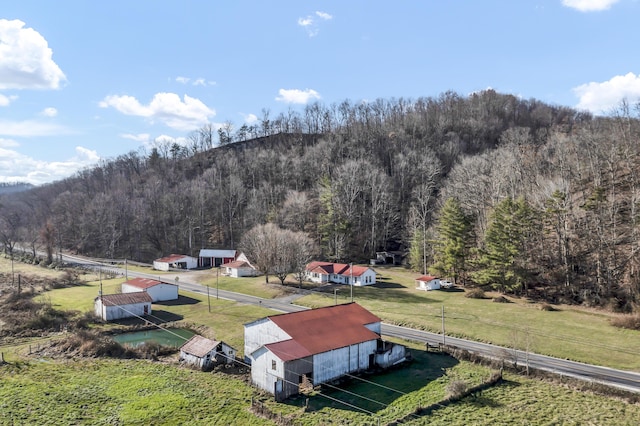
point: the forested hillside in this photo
(486, 189)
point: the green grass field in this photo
(140, 392)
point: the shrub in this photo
(475, 293)
(547, 307)
(632, 322)
(456, 388)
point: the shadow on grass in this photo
(181, 300)
(158, 316)
(374, 392)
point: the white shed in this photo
(241, 267)
(177, 261)
(117, 306)
(313, 346)
(427, 282)
(204, 353)
(158, 290)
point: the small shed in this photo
(204, 353)
(427, 283)
(209, 258)
(123, 305)
(241, 267)
(176, 261)
(159, 291)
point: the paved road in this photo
(626, 380)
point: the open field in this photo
(108, 391)
(569, 332)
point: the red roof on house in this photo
(237, 264)
(328, 268)
(143, 283)
(121, 299)
(171, 258)
(320, 330)
(199, 346)
(426, 278)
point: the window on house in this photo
(273, 364)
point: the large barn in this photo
(315, 346)
(158, 290)
(123, 305)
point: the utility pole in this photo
(208, 298)
(443, 335)
(217, 281)
(126, 271)
(335, 296)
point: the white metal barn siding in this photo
(260, 333)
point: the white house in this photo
(427, 282)
(158, 291)
(204, 353)
(313, 347)
(241, 267)
(340, 273)
(214, 258)
(117, 306)
(177, 261)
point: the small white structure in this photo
(158, 291)
(176, 261)
(427, 283)
(118, 306)
(214, 257)
(241, 267)
(204, 353)
(312, 347)
(340, 273)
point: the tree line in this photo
(485, 189)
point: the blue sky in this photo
(87, 80)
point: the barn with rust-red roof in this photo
(158, 290)
(313, 346)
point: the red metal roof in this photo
(336, 268)
(199, 346)
(172, 258)
(288, 350)
(142, 283)
(237, 264)
(426, 278)
(320, 330)
(125, 298)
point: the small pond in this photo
(167, 337)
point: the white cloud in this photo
(607, 95)
(6, 100)
(140, 137)
(324, 15)
(49, 112)
(589, 5)
(17, 167)
(26, 59)
(250, 118)
(8, 143)
(195, 81)
(310, 24)
(31, 128)
(296, 96)
(167, 108)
